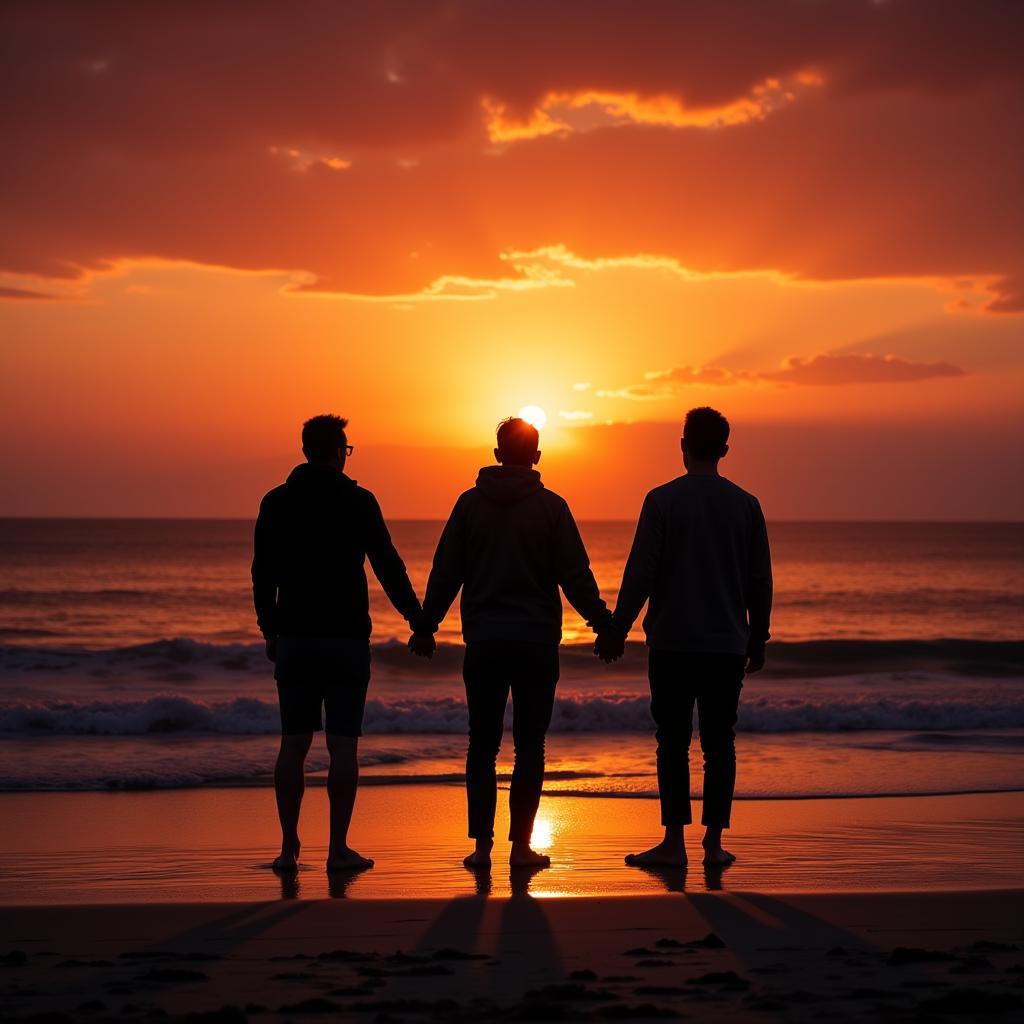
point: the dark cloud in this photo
(162, 130)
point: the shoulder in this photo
(663, 493)
(272, 498)
(554, 501)
(364, 499)
(741, 496)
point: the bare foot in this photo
(288, 859)
(664, 855)
(479, 858)
(716, 857)
(348, 860)
(524, 857)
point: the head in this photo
(517, 443)
(705, 438)
(324, 440)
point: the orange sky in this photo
(424, 216)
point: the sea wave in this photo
(812, 658)
(246, 716)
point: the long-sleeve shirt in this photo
(313, 535)
(509, 544)
(701, 558)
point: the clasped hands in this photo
(610, 645)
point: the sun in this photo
(533, 414)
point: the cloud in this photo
(566, 112)
(824, 370)
(27, 294)
(838, 141)
(575, 415)
(857, 369)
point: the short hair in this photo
(706, 433)
(517, 439)
(322, 436)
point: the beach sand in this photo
(725, 956)
(194, 845)
(147, 906)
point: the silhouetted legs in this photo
(712, 681)
(491, 671)
(342, 781)
(289, 785)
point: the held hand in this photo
(610, 646)
(422, 645)
(755, 661)
(271, 648)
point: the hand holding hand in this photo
(610, 646)
(755, 661)
(422, 645)
(271, 648)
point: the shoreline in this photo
(216, 844)
(318, 780)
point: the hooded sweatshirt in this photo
(510, 544)
(312, 536)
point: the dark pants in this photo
(530, 671)
(713, 681)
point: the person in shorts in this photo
(312, 537)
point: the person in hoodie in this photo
(700, 559)
(312, 536)
(509, 544)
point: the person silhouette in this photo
(312, 536)
(700, 556)
(509, 544)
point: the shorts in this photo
(320, 672)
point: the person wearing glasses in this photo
(312, 537)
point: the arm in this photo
(575, 576)
(641, 570)
(448, 572)
(759, 585)
(387, 565)
(264, 575)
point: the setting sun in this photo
(533, 414)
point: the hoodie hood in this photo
(506, 485)
(315, 479)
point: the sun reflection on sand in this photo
(543, 834)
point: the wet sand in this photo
(214, 844)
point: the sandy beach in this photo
(727, 956)
(160, 906)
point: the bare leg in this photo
(289, 785)
(714, 854)
(342, 780)
(670, 852)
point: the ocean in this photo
(129, 659)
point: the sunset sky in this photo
(219, 219)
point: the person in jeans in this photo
(509, 543)
(700, 558)
(312, 537)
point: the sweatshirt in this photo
(700, 556)
(312, 536)
(510, 543)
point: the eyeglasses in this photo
(349, 449)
